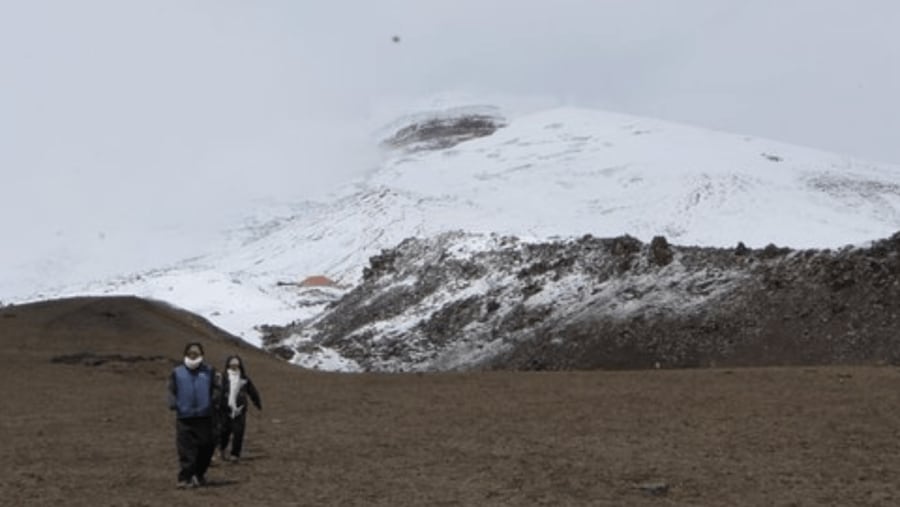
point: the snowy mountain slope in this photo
(610, 174)
(556, 173)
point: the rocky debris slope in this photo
(462, 301)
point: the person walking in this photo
(192, 393)
(236, 388)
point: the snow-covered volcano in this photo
(553, 174)
(569, 172)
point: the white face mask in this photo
(193, 363)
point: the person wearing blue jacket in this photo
(193, 390)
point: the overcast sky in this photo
(121, 119)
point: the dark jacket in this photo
(193, 393)
(247, 390)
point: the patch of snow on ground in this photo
(326, 359)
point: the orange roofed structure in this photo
(318, 281)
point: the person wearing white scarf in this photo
(236, 383)
(237, 387)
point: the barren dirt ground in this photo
(80, 433)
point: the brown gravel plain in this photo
(84, 422)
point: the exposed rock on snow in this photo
(444, 129)
(462, 301)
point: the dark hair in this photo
(240, 361)
(194, 344)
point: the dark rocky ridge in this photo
(440, 132)
(437, 304)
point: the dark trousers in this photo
(194, 439)
(234, 429)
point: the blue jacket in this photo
(191, 391)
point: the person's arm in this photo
(172, 391)
(254, 394)
(215, 388)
